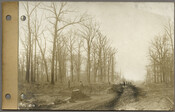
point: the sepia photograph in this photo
(96, 56)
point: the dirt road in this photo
(106, 101)
(128, 97)
(159, 98)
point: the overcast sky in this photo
(130, 27)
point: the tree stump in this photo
(78, 95)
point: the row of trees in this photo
(161, 55)
(74, 49)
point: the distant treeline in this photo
(161, 55)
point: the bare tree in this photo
(88, 34)
(114, 51)
(29, 12)
(71, 44)
(59, 11)
(158, 54)
(61, 58)
(169, 31)
(102, 42)
(95, 60)
(39, 36)
(161, 53)
(78, 58)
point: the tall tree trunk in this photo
(109, 65)
(104, 66)
(88, 65)
(27, 64)
(112, 74)
(43, 58)
(32, 75)
(71, 67)
(60, 59)
(34, 72)
(100, 66)
(37, 74)
(60, 70)
(29, 52)
(94, 68)
(64, 70)
(79, 65)
(53, 53)
(56, 66)
(52, 64)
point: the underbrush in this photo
(45, 95)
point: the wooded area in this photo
(161, 55)
(95, 56)
(76, 50)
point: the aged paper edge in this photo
(10, 55)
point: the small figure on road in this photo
(124, 83)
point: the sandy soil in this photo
(148, 99)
